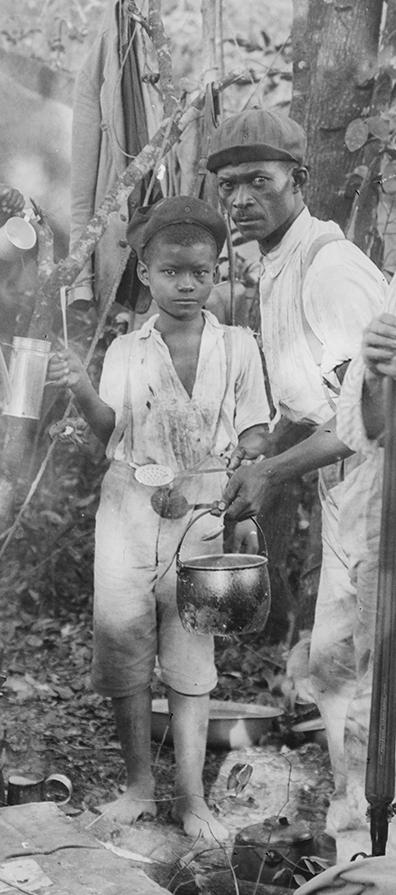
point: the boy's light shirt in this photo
(169, 426)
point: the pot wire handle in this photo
(190, 524)
(263, 547)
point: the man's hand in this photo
(379, 346)
(248, 489)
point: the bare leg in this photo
(133, 721)
(190, 727)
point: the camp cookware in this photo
(168, 500)
(273, 851)
(311, 730)
(232, 725)
(157, 475)
(225, 593)
(25, 788)
(63, 304)
(27, 372)
(171, 503)
(16, 236)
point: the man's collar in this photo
(274, 260)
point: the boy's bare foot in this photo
(135, 802)
(197, 820)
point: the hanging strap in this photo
(123, 428)
(223, 418)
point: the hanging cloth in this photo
(131, 291)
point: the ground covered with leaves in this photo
(52, 721)
(50, 718)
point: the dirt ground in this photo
(51, 721)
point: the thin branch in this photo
(68, 268)
(161, 45)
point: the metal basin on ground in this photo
(232, 725)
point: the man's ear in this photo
(142, 273)
(300, 177)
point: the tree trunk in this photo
(335, 80)
(335, 55)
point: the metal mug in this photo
(25, 788)
(16, 236)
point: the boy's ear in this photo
(142, 273)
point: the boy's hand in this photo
(242, 455)
(236, 458)
(65, 368)
(379, 346)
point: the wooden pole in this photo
(209, 42)
(380, 774)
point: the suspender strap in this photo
(315, 247)
(314, 343)
(223, 418)
(124, 425)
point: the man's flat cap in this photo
(256, 135)
(150, 219)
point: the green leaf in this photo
(379, 127)
(388, 181)
(299, 879)
(356, 134)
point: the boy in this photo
(179, 392)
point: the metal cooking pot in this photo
(226, 593)
(275, 851)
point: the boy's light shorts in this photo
(135, 612)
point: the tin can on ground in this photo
(25, 788)
(27, 373)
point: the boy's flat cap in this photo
(256, 135)
(150, 219)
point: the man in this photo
(318, 292)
